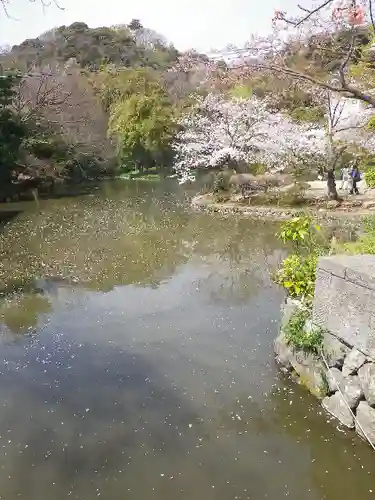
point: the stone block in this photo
(353, 362)
(312, 373)
(344, 301)
(334, 350)
(332, 265)
(283, 352)
(352, 390)
(337, 407)
(366, 419)
(334, 379)
(309, 368)
(366, 375)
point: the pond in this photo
(136, 360)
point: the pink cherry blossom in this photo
(219, 131)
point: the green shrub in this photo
(294, 196)
(370, 177)
(297, 275)
(241, 91)
(371, 124)
(302, 336)
(364, 244)
(301, 231)
(256, 168)
(307, 114)
(221, 182)
(369, 225)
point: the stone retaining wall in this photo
(344, 374)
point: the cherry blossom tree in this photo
(219, 132)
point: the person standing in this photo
(345, 178)
(355, 177)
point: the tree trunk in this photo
(331, 185)
(332, 158)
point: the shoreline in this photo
(205, 204)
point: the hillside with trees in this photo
(129, 46)
(67, 91)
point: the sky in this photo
(200, 24)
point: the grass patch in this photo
(301, 335)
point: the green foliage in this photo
(300, 231)
(370, 177)
(12, 130)
(307, 114)
(366, 162)
(91, 47)
(113, 85)
(302, 336)
(221, 181)
(256, 168)
(294, 197)
(371, 124)
(144, 124)
(241, 91)
(297, 275)
(369, 225)
(46, 146)
(298, 102)
(365, 244)
(297, 272)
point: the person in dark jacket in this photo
(356, 177)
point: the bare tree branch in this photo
(309, 14)
(44, 3)
(37, 92)
(345, 89)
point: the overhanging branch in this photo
(345, 89)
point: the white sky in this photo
(202, 24)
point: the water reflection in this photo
(117, 240)
(150, 373)
(22, 313)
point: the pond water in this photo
(137, 360)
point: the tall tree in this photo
(12, 130)
(135, 24)
(144, 125)
(219, 132)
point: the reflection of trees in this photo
(21, 313)
(239, 255)
(131, 238)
